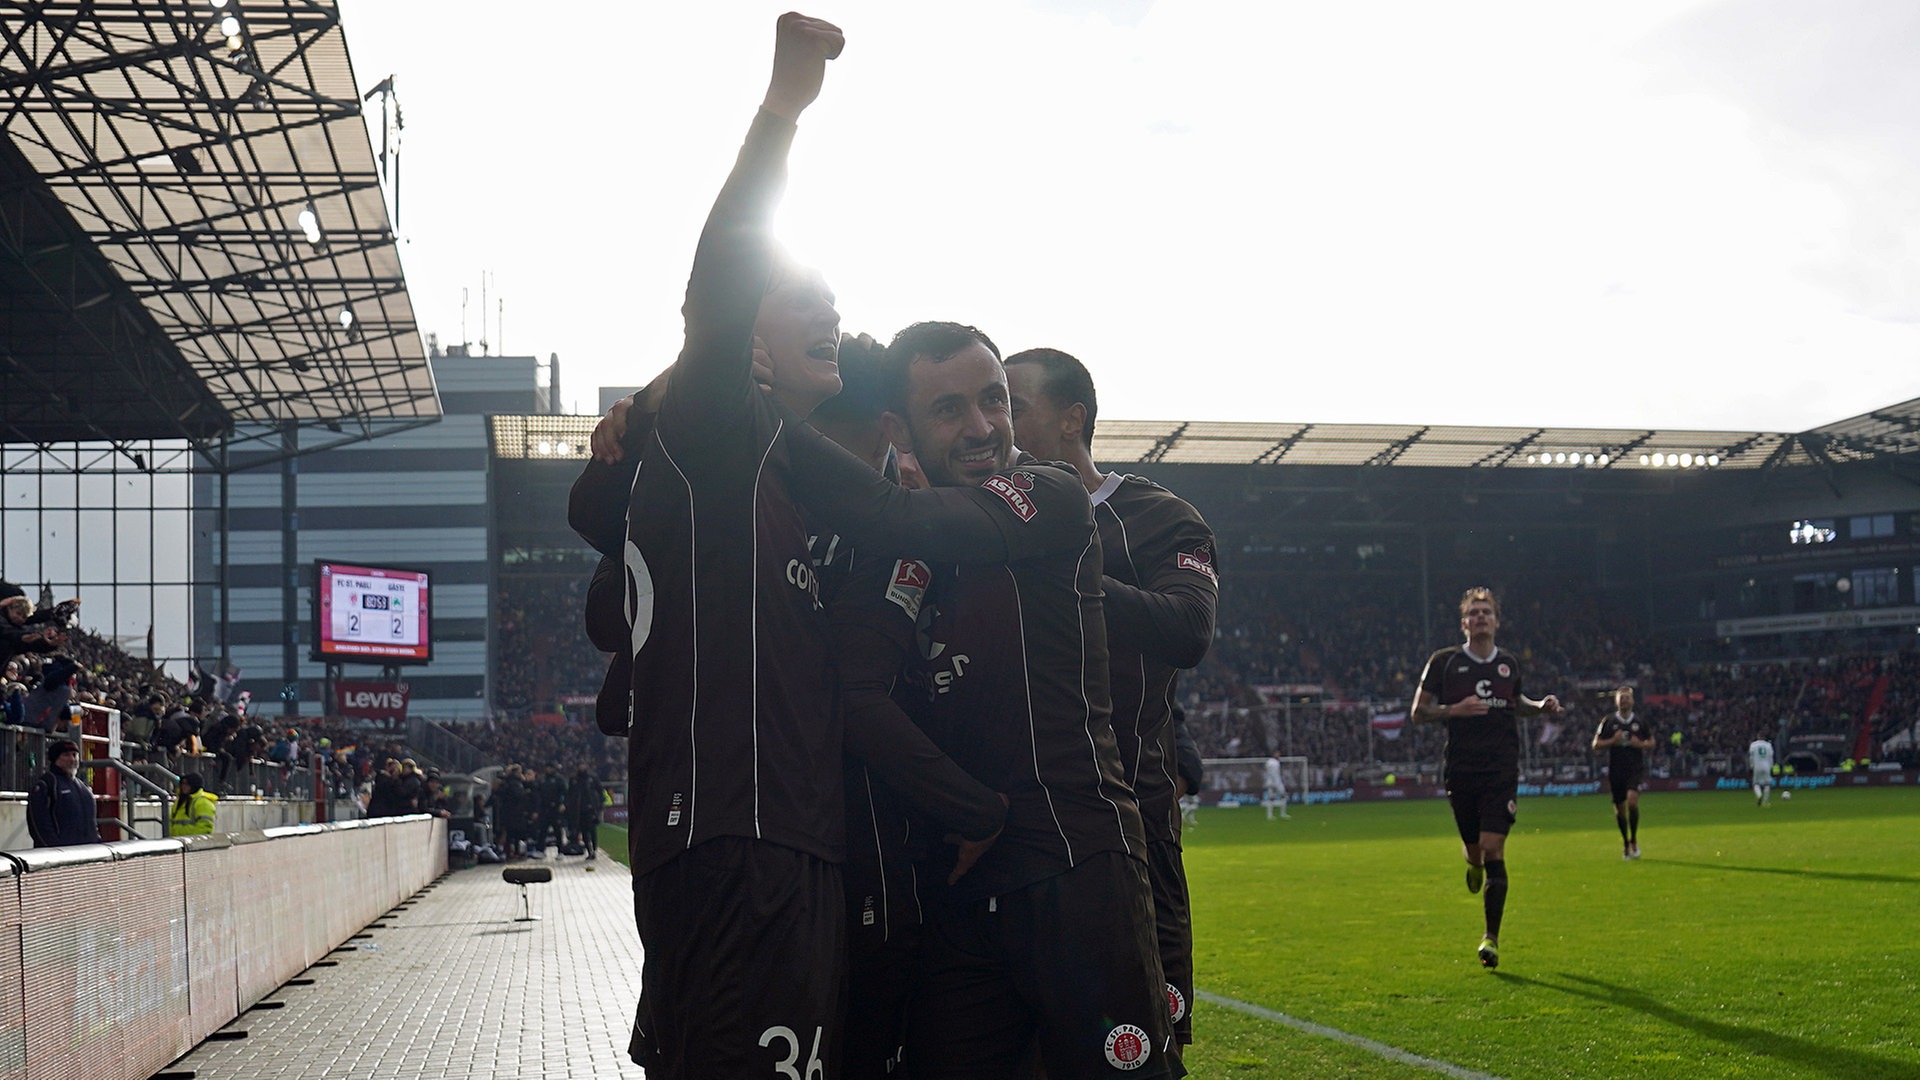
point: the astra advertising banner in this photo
(372, 700)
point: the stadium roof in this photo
(1883, 433)
(194, 242)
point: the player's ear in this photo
(896, 430)
(1073, 422)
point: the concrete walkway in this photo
(450, 985)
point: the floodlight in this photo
(310, 224)
(1713, 459)
(1686, 461)
(346, 318)
(564, 449)
(230, 26)
(1645, 460)
(1531, 458)
(1588, 459)
(218, 4)
(1559, 459)
(546, 448)
(1604, 459)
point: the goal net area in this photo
(1242, 781)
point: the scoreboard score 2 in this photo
(378, 614)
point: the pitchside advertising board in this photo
(371, 614)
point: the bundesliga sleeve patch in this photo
(909, 585)
(1200, 561)
(1013, 489)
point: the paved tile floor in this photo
(452, 986)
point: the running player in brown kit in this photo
(1626, 738)
(1161, 591)
(1475, 690)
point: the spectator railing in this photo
(451, 752)
(134, 784)
(23, 757)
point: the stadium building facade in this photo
(418, 499)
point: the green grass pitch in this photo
(1745, 943)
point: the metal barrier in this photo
(451, 752)
(131, 953)
(23, 757)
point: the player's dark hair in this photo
(862, 397)
(1479, 592)
(935, 342)
(1067, 383)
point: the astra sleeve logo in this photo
(1200, 561)
(1014, 492)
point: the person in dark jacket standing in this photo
(508, 810)
(60, 810)
(585, 796)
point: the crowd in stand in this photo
(1346, 650)
(1342, 655)
(551, 746)
(1345, 654)
(540, 659)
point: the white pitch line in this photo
(1393, 1053)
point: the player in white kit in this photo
(1275, 794)
(1760, 756)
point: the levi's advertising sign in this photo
(376, 614)
(372, 700)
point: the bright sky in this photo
(1672, 214)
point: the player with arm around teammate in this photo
(1626, 738)
(1048, 943)
(1475, 689)
(1760, 758)
(1160, 593)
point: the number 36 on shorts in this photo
(816, 1069)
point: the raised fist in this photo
(801, 48)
